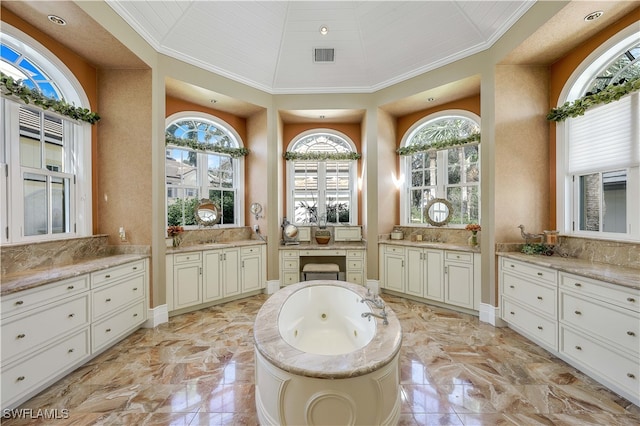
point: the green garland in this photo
(12, 87)
(203, 146)
(321, 156)
(607, 95)
(438, 145)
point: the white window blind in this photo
(606, 137)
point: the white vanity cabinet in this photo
(289, 266)
(392, 267)
(198, 278)
(350, 260)
(355, 267)
(425, 274)
(459, 279)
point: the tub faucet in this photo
(377, 302)
(382, 315)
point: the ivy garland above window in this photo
(200, 146)
(579, 106)
(439, 145)
(321, 156)
(12, 87)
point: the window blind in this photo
(606, 137)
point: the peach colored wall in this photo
(388, 161)
(256, 169)
(561, 70)
(123, 190)
(521, 151)
(352, 130)
(86, 74)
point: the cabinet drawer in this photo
(600, 359)
(113, 274)
(618, 326)
(290, 277)
(530, 271)
(536, 327)
(393, 249)
(530, 294)
(355, 277)
(111, 298)
(250, 250)
(458, 256)
(195, 256)
(29, 299)
(287, 254)
(355, 254)
(110, 329)
(620, 296)
(28, 374)
(26, 332)
(323, 253)
(290, 264)
(354, 265)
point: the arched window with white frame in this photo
(201, 163)
(322, 179)
(599, 151)
(45, 188)
(437, 162)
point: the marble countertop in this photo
(431, 244)
(25, 280)
(627, 277)
(213, 246)
(379, 352)
(332, 245)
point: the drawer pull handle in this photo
(70, 287)
(135, 268)
(539, 274)
(108, 330)
(631, 375)
(539, 327)
(512, 286)
(72, 315)
(20, 378)
(539, 297)
(70, 350)
(577, 312)
(512, 313)
(631, 333)
(135, 315)
(108, 276)
(630, 299)
(135, 289)
(512, 265)
(108, 300)
(21, 336)
(19, 302)
(577, 284)
(579, 348)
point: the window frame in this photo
(568, 184)
(441, 187)
(202, 167)
(321, 165)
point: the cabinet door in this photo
(459, 284)
(251, 277)
(415, 271)
(434, 287)
(187, 285)
(394, 272)
(231, 272)
(211, 275)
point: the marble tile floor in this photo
(198, 370)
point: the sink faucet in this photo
(382, 315)
(377, 302)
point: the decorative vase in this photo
(473, 239)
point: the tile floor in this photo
(198, 370)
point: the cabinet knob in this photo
(512, 286)
(108, 276)
(577, 312)
(512, 313)
(539, 274)
(631, 299)
(108, 300)
(631, 375)
(512, 265)
(72, 315)
(577, 284)
(108, 330)
(135, 289)
(135, 268)
(20, 378)
(70, 287)
(579, 348)
(19, 302)
(539, 297)
(631, 333)
(539, 327)
(21, 336)
(135, 315)
(70, 350)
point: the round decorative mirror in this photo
(207, 213)
(439, 212)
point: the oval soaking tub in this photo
(319, 362)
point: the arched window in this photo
(599, 152)
(200, 163)
(321, 171)
(439, 165)
(47, 155)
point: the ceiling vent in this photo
(323, 55)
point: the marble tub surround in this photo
(198, 369)
(269, 343)
(432, 234)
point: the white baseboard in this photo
(491, 315)
(272, 286)
(156, 316)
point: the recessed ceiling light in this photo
(593, 16)
(324, 30)
(57, 20)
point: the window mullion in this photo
(322, 188)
